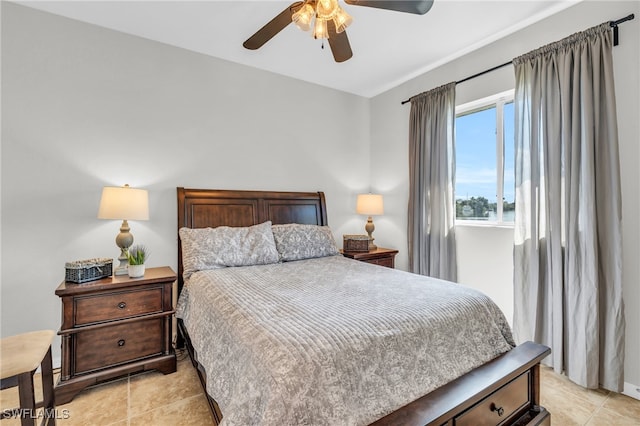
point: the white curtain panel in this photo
(431, 231)
(568, 286)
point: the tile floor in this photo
(147, 399)
(177, 399)
(570, 404)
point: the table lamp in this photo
(124, 203)
(370, 205)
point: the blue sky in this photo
(476, 173)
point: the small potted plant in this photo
(137, 255)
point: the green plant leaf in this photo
(137, 255)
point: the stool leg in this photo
(47, 390)
(27, 398)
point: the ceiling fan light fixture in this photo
(302, 18)
(326, 9)
(320, 29)
(342, 20)
(325, 18)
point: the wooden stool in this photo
(20, 357)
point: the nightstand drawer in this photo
(385, 261)
(108, 307)
(499, 406)
(379, 256)
(107, 346)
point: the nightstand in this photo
(380, 256)
(115, 326)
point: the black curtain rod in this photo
(473, 76)
(621, 20)
(613, 24)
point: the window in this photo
(485, 159)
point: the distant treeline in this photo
(480, 207)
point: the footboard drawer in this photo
(509, 401)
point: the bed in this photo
(310, 341)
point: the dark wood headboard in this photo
(202, 208)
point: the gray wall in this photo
(485, 254)
(84, 107)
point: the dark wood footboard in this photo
(504, 391)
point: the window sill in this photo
(484, 224)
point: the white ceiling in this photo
(388, 47)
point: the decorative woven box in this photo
(355, 242)
(82, 271)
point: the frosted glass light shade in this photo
(124, 203)
(323, 11)
(369, 204)
(326, 9)
(302, 18)
(320, 29)
(342, 20)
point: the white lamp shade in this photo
(370, 204)
(124, 203)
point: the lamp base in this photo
(123, 268)
(370, 227)
(124, 240)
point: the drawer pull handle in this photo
(122, 305)
(121, 342)
(498, 410)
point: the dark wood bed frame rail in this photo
(468, 400)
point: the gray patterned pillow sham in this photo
(212, 248)
(296, 242)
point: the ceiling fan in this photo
(326, 19)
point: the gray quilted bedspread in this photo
(332, 341)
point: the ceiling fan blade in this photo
(272, 27)
(419, 7)
(339, 43)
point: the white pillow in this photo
(211, 248)
(295, 241)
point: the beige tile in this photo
(193, 411)
(567, 415)
(607, 417)
(562, 403)
(39, 417)
(570, 404)
(559, 418)
(100, 405)
(623, 405)
(15, 421)
(120, 423)
(558, 381)
(153, 390)
(9, 397)
(11, 422)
